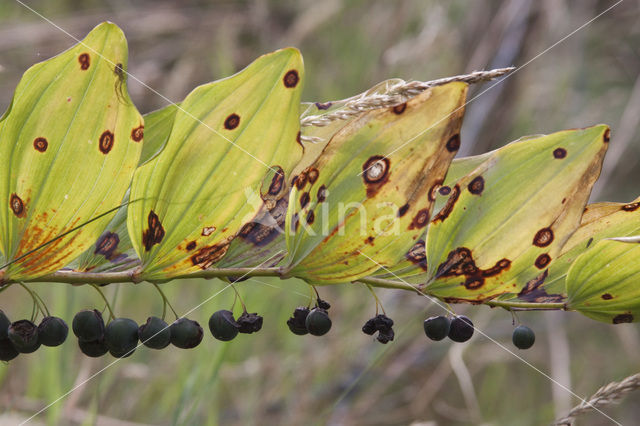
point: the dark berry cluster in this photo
(383, 325)
(23, 336)
(225, 328)
(314, 321)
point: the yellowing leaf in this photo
(505, 221)
(70, 142)
(602, 283)
(229, 139)
(367, 198)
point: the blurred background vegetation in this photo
(346, 377)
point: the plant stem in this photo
(111, 315)
(165, 302)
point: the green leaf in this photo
(602, 283)
(228, 139)
(70, 141)
(506, 220)
(362, 203)
(158, 126)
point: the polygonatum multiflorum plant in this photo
(241, 179)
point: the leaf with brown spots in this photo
(602, 283)
(66, 145)
(226, 141)
(380, 161)
(528, 208)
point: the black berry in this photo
(121, 337)
(24, 336)
(7, 350)
(523, 337)
(223, 326)
(249, 323)
(4, 326)
(53, 331)
(461, 329)
(93, 349)
(323, 304)
(318, 322)
(296, 322)
(155, 333)
(383, 325)
(186, 334)
(88, 325)
(437, 328)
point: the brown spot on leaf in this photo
(191, 245)
(607, 135)
(444, 190)
(304, 199)
(543, 237)
(207, 256)
(40, 144)
(291, 79)
(208, 230)
(107, 245)
(232, 121)
(448, 207)
(369, 240)
(434, 188)
(453, 144)
(85, 61)
(154, 234)
(277, 181)
(630, 207)
(106, 142)
(295, 222)
(559, 153)
(403, 210)
(622, 318)
(375, 173)
(476, 186)
(323, 106)
(322, 193)
(420, 220)
(311, 216)
(267, 225)
(417, 255)
(589, 242)
(542, 261)
(534, 291)
(138, 133)
(606, 296)
(300, 181)
(473, 282)
(17, 206)
(460, 262)
(399, 109)
(312, 175)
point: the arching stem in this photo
(378, 302)
(111, 315)
(165, 302)
(37, 307)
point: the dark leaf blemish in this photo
(444, 190)
(607, 296)
(542, 261)
(312, 175)
(40, 144)
(232, 121)
(291, 79)
(323, 106)
(420, 220)
(403, 210)
(476, 186)
(543, 237)
(533, 291)
(304, 200)
(607, 135)
(399, 109)
(417, 255)
(154, 234)
(107, 245)
(559, 153)
(266, 227)
(191, 245)
(453, 144)
(375, 173)
(85, 61)
(622, 318)
(207, 256)
(138, 133)
(310, 217)
(17, 206)
(277, 181)
(322, 193)
(448, 207)
(106, 142)
(630, 207)
(460, 262)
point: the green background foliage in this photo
(273, 376)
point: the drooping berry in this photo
(323, 304)
(24, 336)
(7, 350)
(383, 325)
(249, 323)
(223, 326)
(5, 322)
(461, 329)
(437, 328)
(88, 325)
(52, 331)
(186, 334)
(155, 333)
(296, 322)
(93, 349)
(523, 337)
(318, 322)
(121, 337)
